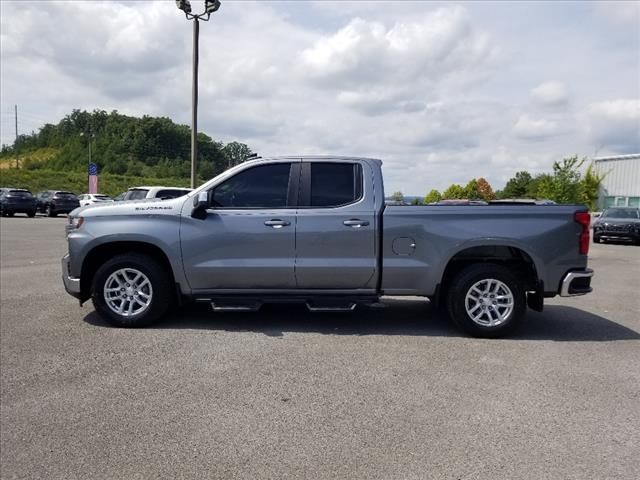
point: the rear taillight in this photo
(584, 219)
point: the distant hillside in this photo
(122, 145)
(39, 157)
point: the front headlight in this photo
(75, 222)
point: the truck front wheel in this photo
(486, 300)
(131, 290)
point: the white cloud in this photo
(550, 94)
(615, 124)
(440, 44)
(620, 12)
(440, 93)
(535, 128)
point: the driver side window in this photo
(264, 186)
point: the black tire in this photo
(31, 214)
(11, 214)
(160, 282)
(49, 211)
(462, 284)
(596, 239)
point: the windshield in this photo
(67, 195)
(620, 213)
(136, 194)
(102, 198)
(19, 193)
(171, 193)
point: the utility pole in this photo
(194, 103)
(16, 115)
(210, 6)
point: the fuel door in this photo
(403, 246)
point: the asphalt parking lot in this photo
(387, 393)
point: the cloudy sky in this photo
(442, 92)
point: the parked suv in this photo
(163, 193)
(618, 224)
(55, 202)
(91, 198)
(17, 200)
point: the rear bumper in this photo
(576, 283)
(18, 208)
(71, 284)
(63, 208)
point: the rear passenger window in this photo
(335, 184)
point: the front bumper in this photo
(629, 235)
(71, 284)
(576, 283)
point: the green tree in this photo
(433, 196)
(397, 197)
(517, 186)
(471, 190)
(454, 192)
(235, 153)
(566, 180)
(590, 187)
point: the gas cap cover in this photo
(403, 246)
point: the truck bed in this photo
(547, 234)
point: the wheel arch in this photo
(104, 251)
(514, 257)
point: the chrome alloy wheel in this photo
(489, 302)
(128, 292)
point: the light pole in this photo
(90, 137)
(210, 6)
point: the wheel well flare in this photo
(101, 253)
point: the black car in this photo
(618, 223)
(54, 202)
(17, 200)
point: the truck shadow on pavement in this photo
(397, 317)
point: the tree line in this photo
(123, 145)
(567, 183)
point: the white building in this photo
(621, 185)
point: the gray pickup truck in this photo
(316, 230)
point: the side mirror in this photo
(200, 205)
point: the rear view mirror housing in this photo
(200, 204)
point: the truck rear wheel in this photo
(486, 300)
(131, 290)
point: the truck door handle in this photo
(275, 223)
(355, 223)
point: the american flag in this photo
(93, 178)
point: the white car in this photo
(91, 198)
(164, 193)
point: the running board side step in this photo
(237, 307)
(330, 306)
